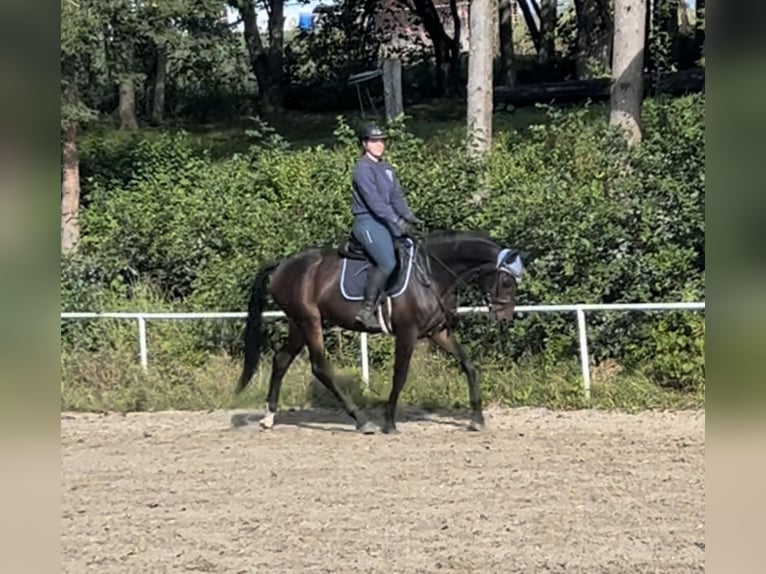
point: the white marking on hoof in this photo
(369, 428)
(267, 422)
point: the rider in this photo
(380, 214)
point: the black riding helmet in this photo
(371, 131)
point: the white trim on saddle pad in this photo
(410, 255)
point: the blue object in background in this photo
(306, 21)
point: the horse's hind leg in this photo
(282, 361)
(322, 370)
(448, 343)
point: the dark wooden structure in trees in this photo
(676, 83)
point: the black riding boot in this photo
(372, 291)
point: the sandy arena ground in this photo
(539, 491)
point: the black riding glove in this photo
(396, 229)
(407, 227)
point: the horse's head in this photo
(499, 283)
(475, 256)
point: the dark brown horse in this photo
(306, 287)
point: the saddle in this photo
(352, 249)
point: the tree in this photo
(265, 61)
(70, 168)
(662, 16)
(627, 67)
(547, 30)
(529, 19)
(80, 38)
(124, 23)
(480, 56)
(594, 33)
(161, 22)
(506, 44)
(699, 27)
(446, 48)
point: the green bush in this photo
(600, 223)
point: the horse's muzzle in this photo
(500, 313)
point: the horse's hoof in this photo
(368, 428)
(476, 426)
(390, 429)
(267, 422)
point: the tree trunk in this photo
(529, 19)
(699, 25)
(70, 190)
(446, 49)
(276, 51)
(259, 62)
(480, 76)
(506, 44)
(594, 38)
(127, 86)
(441, 56)
(627, 84)
(447, 67)
(648, 53)
(128, 119)
(547, 31)
(666, 27)
(685, 26)
(392, 88)
(158, 93)
(454, 62)
(70, 161)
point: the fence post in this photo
(365, 359)
(584, 362)
(142, 342)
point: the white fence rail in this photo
(579, 311)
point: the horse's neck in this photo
(461, 257)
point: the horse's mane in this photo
(454, 236)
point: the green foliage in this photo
(208, 71)
(109, 379)
(675, 356)
(80, 21)
(346, 42)
(320, 61)
(165, 222)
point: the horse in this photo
(306, 286)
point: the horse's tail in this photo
(252, 334)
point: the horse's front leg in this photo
(448, 343)
(405, 344)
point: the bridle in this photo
(513, 268)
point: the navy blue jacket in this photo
(375, 190)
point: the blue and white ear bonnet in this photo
(514, 267)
